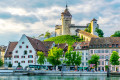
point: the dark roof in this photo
(78, 26)
(105, 40)
(10, 48)
(37, 44)
(83, 45)
(62, 46)
(94, 19)
(48, 44)
(66, 13)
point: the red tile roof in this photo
(10, 48)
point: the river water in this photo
(58, 78)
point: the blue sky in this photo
(34, 17)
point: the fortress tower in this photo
(66, 21)
(94, 25)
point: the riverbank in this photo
(54, 73)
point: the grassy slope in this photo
(64, 39)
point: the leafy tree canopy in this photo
(116, 34)
(88, 29)
(1, 62)
(54, 56)
(47, 34)
(41, 58)
(72, 58)
(94, 59)
(114, 58)
(100, 32)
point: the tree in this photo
(1, 62)
(10, 65)
(114, 58)
(100, 32)
(116, 34)
(54, 56)
(88, 29)
(41, 58)
(94, 60)
(47, 34)
(72, 58)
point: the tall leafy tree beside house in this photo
(94, 60)
(100, 32)
(41, 58)
(54, 56)
(114, 58)
(1, 62)
(72, 58)
(47, 34)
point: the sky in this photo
(34, 17)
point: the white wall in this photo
(21, 53)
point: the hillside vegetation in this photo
(65, 39)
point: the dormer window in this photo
(26, 46)
(16, 51)
(22, 42)
(20, 46)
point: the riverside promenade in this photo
(52, 73)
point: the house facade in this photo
(83, 48)
(104, 48)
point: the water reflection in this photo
(58, 78)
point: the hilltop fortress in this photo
(71, 29)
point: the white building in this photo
(82, 47)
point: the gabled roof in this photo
(62, 46)
(105, 40)
(10, 48)
(87, 34)
(48, 44)
(94, 19)
(37, 44)
(83, 45)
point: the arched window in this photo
(25, 52)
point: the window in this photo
(86, 64)
(86, 58)
(82, 58)
(106, 51)
(16, 51)
(22, 56)
(107, 57)
(30, 51)
(16, 61)
(10, 52)
(22, 42)
(82, 64)
(30, 56)
(116, 45)
(102, 57)
(113, 45)
(91, 51)
(30, 61)
(22, 61)
(9, 58)
(26, 46)
(86, 53)
(20, 46)
(16, 56)
(82, 53)
(102, 62)
(102, 51)
(99, 63)
(25, 52)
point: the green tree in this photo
(72, 58)
(114, 58)
(47, 34)
(94, 60)
(116, 34)
(88, 29)
(100, 32)
(1, 62)
(41, 58)
(54, 56)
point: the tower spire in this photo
(66, 5)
